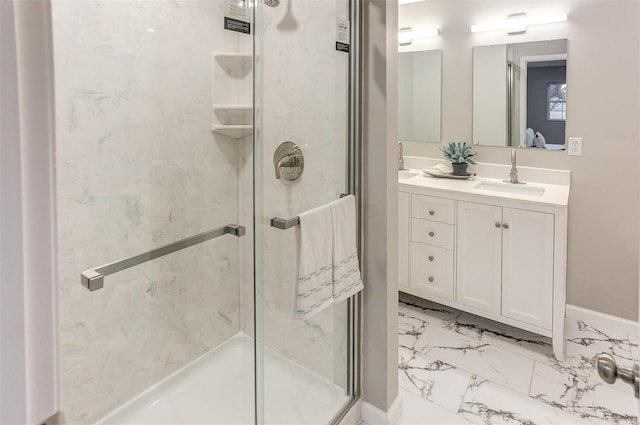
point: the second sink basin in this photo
(520, 189)
(406, 174)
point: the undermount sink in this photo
(407, 174)
(520, 189)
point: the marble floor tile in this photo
(410, 327)
(428, 311)
(477, 357)
(577, 391)
(418, 411)
(601, 340)
(489, 403)
(512, 375)
(518, 341)
(633, 344)
(581, 361)
(432, 379)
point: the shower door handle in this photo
(609, 372)
(93, 279)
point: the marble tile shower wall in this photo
(305, 95)
(138, 168)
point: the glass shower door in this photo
(153, 117)
(302, 108)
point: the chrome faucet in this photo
(400, 157)
(513, 174)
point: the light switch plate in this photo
(575, 146)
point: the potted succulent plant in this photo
(459, 154)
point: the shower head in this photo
(272, 3)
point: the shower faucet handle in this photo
(288, 161)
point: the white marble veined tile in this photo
(581, 361)
(418, 411)
(571, 391)
(410, 328)
(432, 379)
(601, 340)
(477, 357)
(518, 341)
(634, 346)
(427, 311)
(499, 335)
(488, 403)
(583, 396)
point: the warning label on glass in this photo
(342, 47)
(235, 25)
(236, 16)
(342, 35)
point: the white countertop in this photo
(554, 194)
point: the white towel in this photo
(439, 168)
(314, 288)
(346, 269)
(539, 140)
(530, 136)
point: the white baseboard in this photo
(371, 415)
(354, 415)
(602, 320)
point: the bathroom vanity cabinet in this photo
(500, 257)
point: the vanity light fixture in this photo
(518, 23)
(407, 35)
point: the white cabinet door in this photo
(527, 267)
(479, 256)
(403, 239)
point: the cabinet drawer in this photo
(432, 233)
(432, 208)
(432, 270)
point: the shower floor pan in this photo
(217, 388)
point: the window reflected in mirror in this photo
(520, 94)
(419, 95)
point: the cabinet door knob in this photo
(498, 225)
(430, 278)
(431, 212)
(505, 226)
(431, 233)
(431, 258)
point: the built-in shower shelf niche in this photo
(232, 94)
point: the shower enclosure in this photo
(176, 283)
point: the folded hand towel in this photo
(539, 140)
(439, 168)
(314, 289)
(346, 269)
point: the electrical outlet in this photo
(575, 146)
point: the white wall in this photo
(380, 197)
(138, 168)
(603, 108)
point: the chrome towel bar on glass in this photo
(283, 223)
(93, 279)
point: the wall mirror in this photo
(519, 94)
(419, 95)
